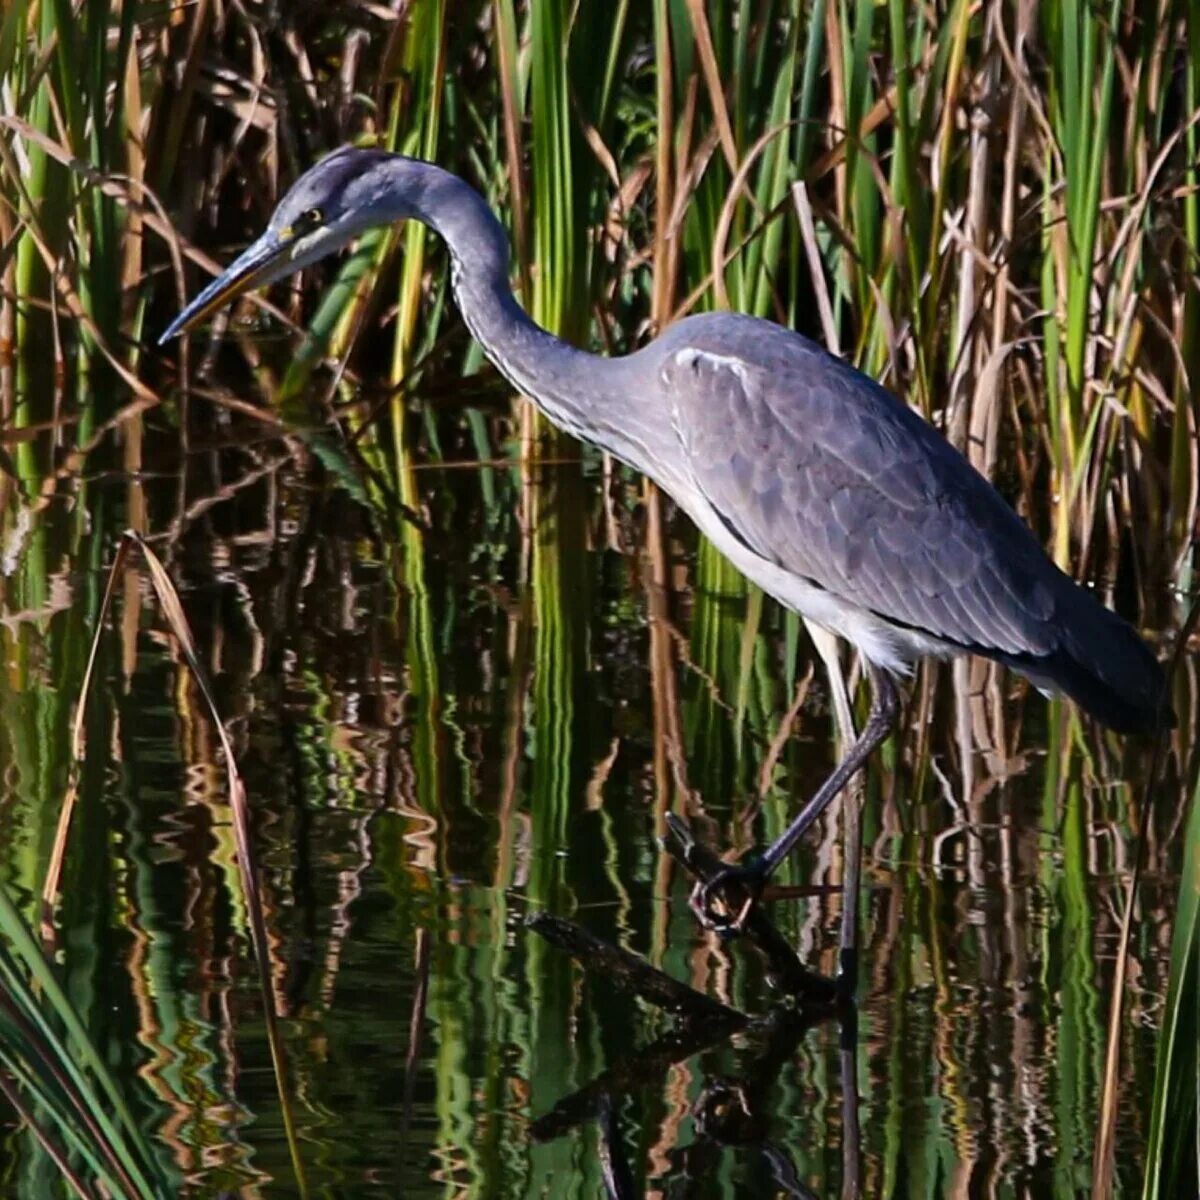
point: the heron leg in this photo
(851, 870)
(739, 886)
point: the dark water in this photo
(443, 729)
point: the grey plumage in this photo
(819, 469)
(821, 486)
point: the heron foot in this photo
(725, 900)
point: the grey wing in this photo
(822, 472)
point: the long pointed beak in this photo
(254, 266)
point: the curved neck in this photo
(588, 395)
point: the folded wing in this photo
(827, 475)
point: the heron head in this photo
(328, 206)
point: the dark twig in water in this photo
(618, 1178)
(736, 1110)
(728, 1112)
(791, 975)
(644, 1067)
(705, 1022)
(633, 974)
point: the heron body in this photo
(823, 488)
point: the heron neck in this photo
(588, 395)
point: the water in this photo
(444, 729)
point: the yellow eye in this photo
(307, 221)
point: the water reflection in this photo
(730, 1110)
(442, 727)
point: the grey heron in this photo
(823, 488)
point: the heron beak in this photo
(254, 266)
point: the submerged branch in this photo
(632, 973)
(790, 974)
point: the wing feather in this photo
(832, 478)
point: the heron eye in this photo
(309, 220)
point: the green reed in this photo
(60, 1082)
(1171, 1147)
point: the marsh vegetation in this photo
(468, 667)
